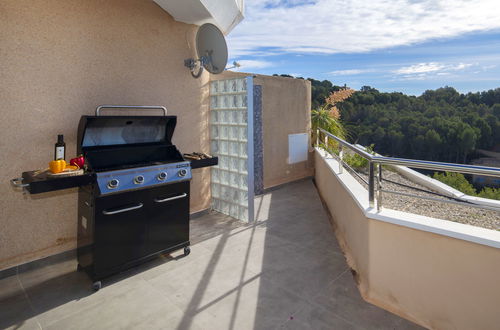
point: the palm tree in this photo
(322, 118)
(327, 117)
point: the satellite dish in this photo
(212, 51)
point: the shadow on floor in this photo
(284, 271)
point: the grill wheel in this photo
(96, 286)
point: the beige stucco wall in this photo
(437, 281)
(59, 59)
(286, 105)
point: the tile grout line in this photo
(28, 298)
(334, 312)
(290, 241)
(310, 299)
(170, 300)
(162, 294)
(332, 281)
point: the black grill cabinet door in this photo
(168, 217)
(120, 231)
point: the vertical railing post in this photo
(371, 185)
(341, 158)
(326, 142)
(317, 137)
(379, 187)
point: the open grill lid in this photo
(115, 141)
(107, 131)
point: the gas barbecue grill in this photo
(138, 205)
(133, 198)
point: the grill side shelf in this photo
(42, 182)
(204, 162)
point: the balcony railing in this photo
(375, 179)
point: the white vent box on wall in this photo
(297, 148)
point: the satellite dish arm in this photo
(197, 75)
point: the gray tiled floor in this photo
(286, 271)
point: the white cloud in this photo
(422, 71)
(420, 68)
(350, 72)
(488, 67)
(333, 26)
(462, 66)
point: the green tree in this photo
(457, 181)
(496, 110)
(466, 141)
(433, 143)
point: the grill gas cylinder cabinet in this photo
(117, 232)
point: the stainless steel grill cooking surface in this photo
(138, 205)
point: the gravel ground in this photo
(457, 213)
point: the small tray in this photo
(195, 163)
(37, 182)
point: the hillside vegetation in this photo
(441, 125)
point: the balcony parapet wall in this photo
(437, 273)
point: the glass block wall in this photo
(231, 138)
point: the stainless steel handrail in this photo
(423, 164)
(376, 162)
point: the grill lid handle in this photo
(106, 106)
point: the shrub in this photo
(490, 193)
(356, 161)
(457, 181)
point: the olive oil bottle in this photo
(60, 148)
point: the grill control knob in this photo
(113, 184)
(139, 179)
(182, 172)
(162, 176)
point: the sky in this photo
(407, 46)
